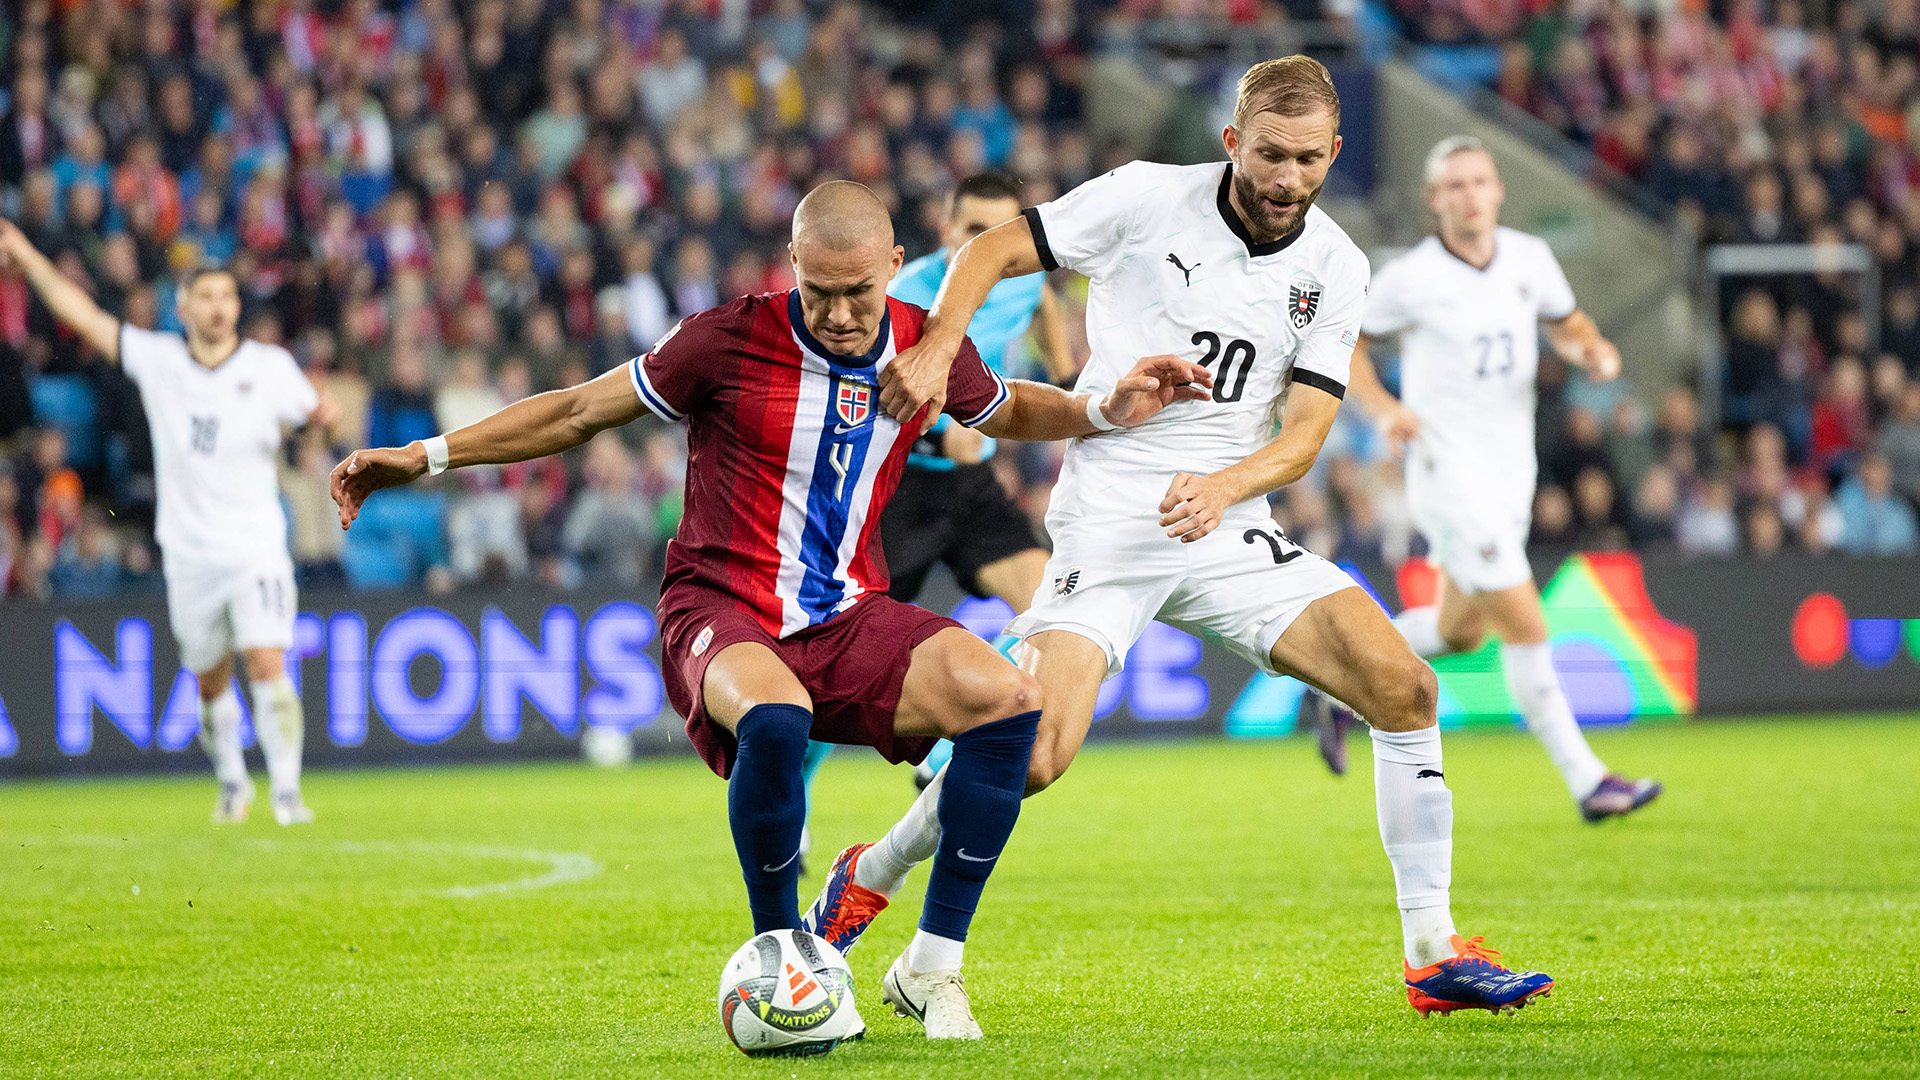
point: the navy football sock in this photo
(767, 808)
(985, 781)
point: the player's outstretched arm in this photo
(534, 427)
(69, 302)
(1194, 504)
(1036, 412)
(1399, 423)
(1579, 342)
(918, 375)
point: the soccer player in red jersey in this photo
(775, 623)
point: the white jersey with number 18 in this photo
(216, 433)
(1175, 271)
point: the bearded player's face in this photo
(1279, 166)
(843, 294)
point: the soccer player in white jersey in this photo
(1468, 305)
(217, 406)
(1227, 264)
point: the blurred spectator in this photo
(1878, 521)
(1899, 443)
(1707, 525)
(402, 410)
(608, 533)
(86, 563)
(314, 535)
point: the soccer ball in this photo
(607, 747)
(788, 993)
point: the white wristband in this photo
(436, 454)
(1097, 418)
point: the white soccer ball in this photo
(607, 747)
(788, 993)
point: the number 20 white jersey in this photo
(1469, 354)
(1174, 271)
(216, 434)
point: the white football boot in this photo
(935, 998)
(230, 808)
(290, 809)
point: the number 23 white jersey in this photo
(1174, 271)
(216, 434)
(1469, 354)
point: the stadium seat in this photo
(398, 535)
(69, 403)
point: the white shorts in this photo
(1245, 581)
(1476, 529)
(214, 612)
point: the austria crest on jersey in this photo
(1303, 301)
(853, 401)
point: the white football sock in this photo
(1536, 689)
(1416, 827)
(1421, 627)
(931, 952)
(220, 737)
(281, 729)
(912, 840)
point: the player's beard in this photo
(1268, 224)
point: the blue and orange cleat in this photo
(844, 909)
(1618, 795)
(1472, 979)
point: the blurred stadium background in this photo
(444, 205)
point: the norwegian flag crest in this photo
(853, 401)
(1303, 301)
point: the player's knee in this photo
(264, 665)
(1408, 699)
(1463, 638)
(985, 697)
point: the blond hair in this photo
(1290, 86)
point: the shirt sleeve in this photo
(674, 377)
(297, 396)
(974, 392)
(917, 284)
(1326, 356)
(143, 352)
(1386, 311)
(1087, 229)
(1556, 296)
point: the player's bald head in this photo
(843, 256)
(842, 216)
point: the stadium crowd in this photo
(443, 206)
(1758, 122)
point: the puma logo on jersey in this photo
(1184, 268)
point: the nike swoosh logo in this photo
(963, 854)
(784, 865)
(842, 429)
(919, 1011)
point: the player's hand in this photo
(916, 378)
(1601, 360)
(1400, 425)
(1155, 383)
(367, 471)
(1195, 504)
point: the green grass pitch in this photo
(1180, 909)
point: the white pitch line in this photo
(563, 867)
